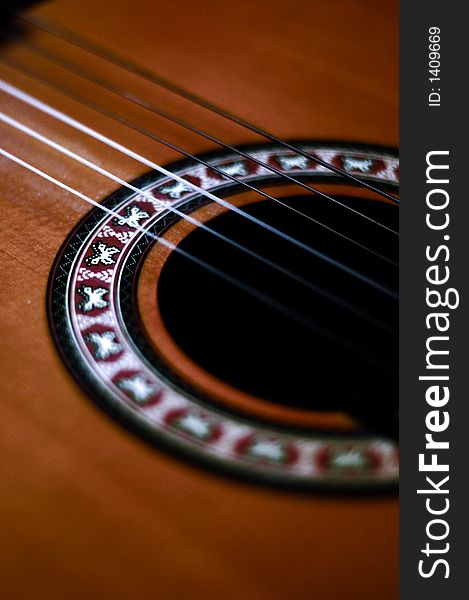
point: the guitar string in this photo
(45, 108)
(101, 52)
(317, 289)
(98, 108)
(299, 151)
(59, 61)
(267, 299)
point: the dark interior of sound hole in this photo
(343, 360)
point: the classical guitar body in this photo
(118, 479)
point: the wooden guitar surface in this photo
(88, 510)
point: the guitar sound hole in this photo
(344, 362)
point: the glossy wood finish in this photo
(88, 510)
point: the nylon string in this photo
(45, 108)
(101, 52)
(61, 62)
(317, 289)
(345, 343)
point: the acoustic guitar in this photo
(199, 300)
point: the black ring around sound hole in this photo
(59, 324)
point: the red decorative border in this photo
(99, 338)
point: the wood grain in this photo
(88, 510)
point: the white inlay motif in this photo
(138, 387)
(104, 344)
(175, 190)
(194, 425)
(133, 216)
(102, 254)
(293, 162)
(357, 164)
(267, 449)
(85, 274)
(123, 236)
(233, 169)
(93, 297)
(350, 458)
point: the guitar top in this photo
(121, 363)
